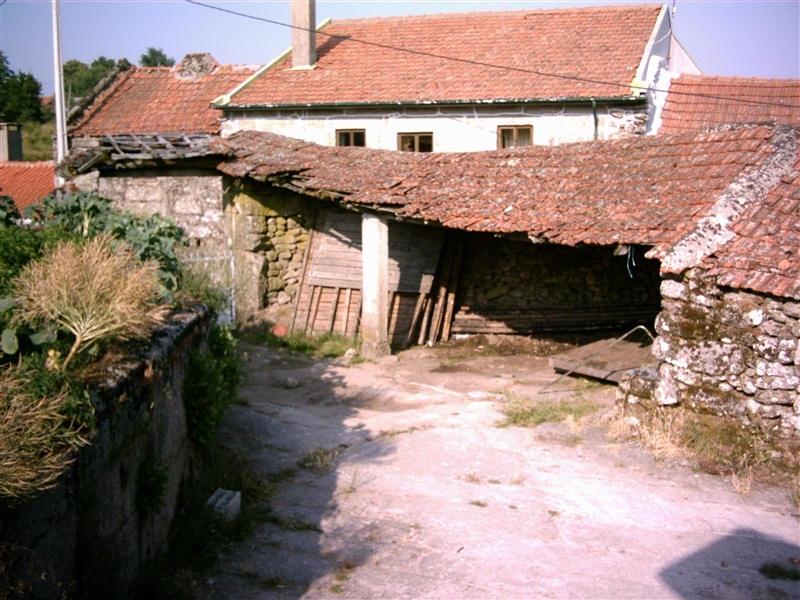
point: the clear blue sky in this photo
(725, 37)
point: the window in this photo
(514, 136)
(351, 137)
(415, 142)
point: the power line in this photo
(494, 66)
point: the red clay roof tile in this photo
(643, 190)
(26, 182)
(159, 100)
(764, 255)
(697, 102)
(593, 51)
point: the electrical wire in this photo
(642, 88)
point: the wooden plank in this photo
(315, 307)
(306, 256)
(334, 305)
(606, 359)
(453, 286)
(347, 298)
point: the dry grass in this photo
(36, 440)
(93, 291)
(717, 445)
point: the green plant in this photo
(37, 139)
(197, 286)
(87, 215)
(93, 292)
(211, 382)
(9, 213)
(524, 413)
(41, 423)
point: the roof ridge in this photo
(497, 13)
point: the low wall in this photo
(110, 515)
(729, 352)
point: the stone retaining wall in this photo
(729, 352)
(110, 515)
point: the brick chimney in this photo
(304, 35)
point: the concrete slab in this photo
(429, 498)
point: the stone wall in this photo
(110, 515)
(191, 197)
(729, 352)
(270, 236)
(499, 274)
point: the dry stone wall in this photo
(729, 352)
(109, 517)
(500, 274)
(270, 236)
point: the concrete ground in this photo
(428, 498)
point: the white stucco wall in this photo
(461, 129)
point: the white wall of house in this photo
(454, 129)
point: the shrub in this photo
(90, 291)
(42, 420)
(211, 383)
(87, 215)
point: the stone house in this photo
(462, 82)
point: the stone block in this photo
(226, 503)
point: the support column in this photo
(375, 287)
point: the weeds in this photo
(524, 413)
(210, 385)
(320, 461)
(327, 345)
(718, 445)
(200, 534)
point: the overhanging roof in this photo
(680, 195)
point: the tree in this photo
(20, 95)
(80, 79)
(155, 57)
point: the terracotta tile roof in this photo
(697, 102)
(596, 44)
(26, 182)
(651, 190)
(160, 100)
(764, 255)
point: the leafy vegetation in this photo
(155, 57)
(74, 279)
(20, 95)
(211, 383)
(80, 79)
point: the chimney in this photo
(10, 141)
(304, 34)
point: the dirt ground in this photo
(412, 490)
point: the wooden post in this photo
(375, 287)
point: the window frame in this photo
(516, 129)
(351, 133)
(416, 136)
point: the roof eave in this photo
(417, 103)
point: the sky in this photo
(724, 37)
